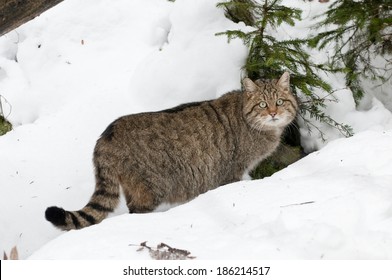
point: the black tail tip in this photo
(55, 215)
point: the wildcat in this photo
(174, 155)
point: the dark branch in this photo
(14, 13)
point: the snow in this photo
(71, 71)
(303, 212)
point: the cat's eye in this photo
(263, 104)
(279, 102)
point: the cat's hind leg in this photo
(140, 197)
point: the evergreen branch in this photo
(268, 57)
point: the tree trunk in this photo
(14, 13)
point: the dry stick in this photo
(162, 245)
(298, 204)
(174, 250)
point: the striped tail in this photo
(103, 201)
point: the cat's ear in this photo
(249, 85)
(284, 82)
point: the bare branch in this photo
(14, 13)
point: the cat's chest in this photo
(256, 147)
(264, 140)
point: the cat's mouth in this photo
(277, 121)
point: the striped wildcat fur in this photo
(174, 155)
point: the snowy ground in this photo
(71, 71)
(334, 204)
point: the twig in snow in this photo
(298, 204)
(165, 252)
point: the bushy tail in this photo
(103, 201)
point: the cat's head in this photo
(269, 104)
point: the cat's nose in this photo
(272, 114)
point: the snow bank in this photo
(333, 204)
(193, 64)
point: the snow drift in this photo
(333, 204)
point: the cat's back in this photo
(198, 129)
(205, 117)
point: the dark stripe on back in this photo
(74, 220)
(87, 217)
(215, 118)
(218, 115)
(109, 132)
(181, 107)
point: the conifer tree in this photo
(269, 57)
(239, 10)
(360, 31)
